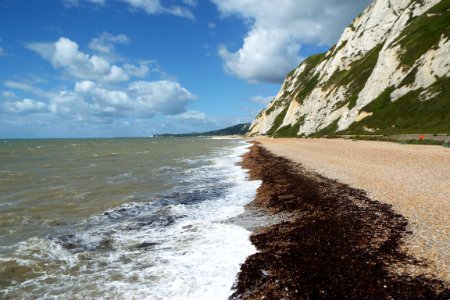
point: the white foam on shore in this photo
(191, 254)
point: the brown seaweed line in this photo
(341, 245)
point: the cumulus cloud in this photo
(95, 94)
(19, 85)
(8, 95)
(190, 2)
(261, 99)
(136, 71)
(88, 100)
(150, 7)
(165, 97)
(72, 3)
(191, 115)
(27, 87)
(103, 93)
(278, 30)
(65, 54)
(105, 42)
(141, 99)
(27, 106)
(155, 7)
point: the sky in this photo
(116, 68)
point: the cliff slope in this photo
(389, 73)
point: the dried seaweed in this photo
(342, 244)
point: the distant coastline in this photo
(239, 129)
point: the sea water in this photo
(122, 218)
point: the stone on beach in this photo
(341, 244)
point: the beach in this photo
(367, 219)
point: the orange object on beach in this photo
(421, 138)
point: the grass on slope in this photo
(290, 130)
(355, 77)
(329, 130)
(424, 32)
(278, 121)
(409, 114)
(306, 82)
(308, 79)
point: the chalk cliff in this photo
(389, 73)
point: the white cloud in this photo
(8, 95)
(89, 101)
(155, 7)
(64, 54)
(190, 2)
(191, 115)
(27, 106)
(261, 99)
(105, 42)
(141, 99)
(148, 6)
(266, 55)
(19, 85)
(165, 97)
(99, 94)
(277, 31)
(136, 71)
(104, 101)
(72, 3)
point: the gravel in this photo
(414, 179)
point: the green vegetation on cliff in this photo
(355, 77)
(412, 113)
(277, 122)
(421, 110)
(424, 32)
(307, 81)
(289, 131)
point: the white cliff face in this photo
(263, 123)
(435, 63)
(367, 60)
(366, 32)
(388, 71)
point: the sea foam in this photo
(175, 248)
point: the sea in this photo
(137, 218)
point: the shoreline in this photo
(330, 241)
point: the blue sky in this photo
(105, 68)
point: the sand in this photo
(414, 179)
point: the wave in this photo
(173, 247)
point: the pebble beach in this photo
(361, 219)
